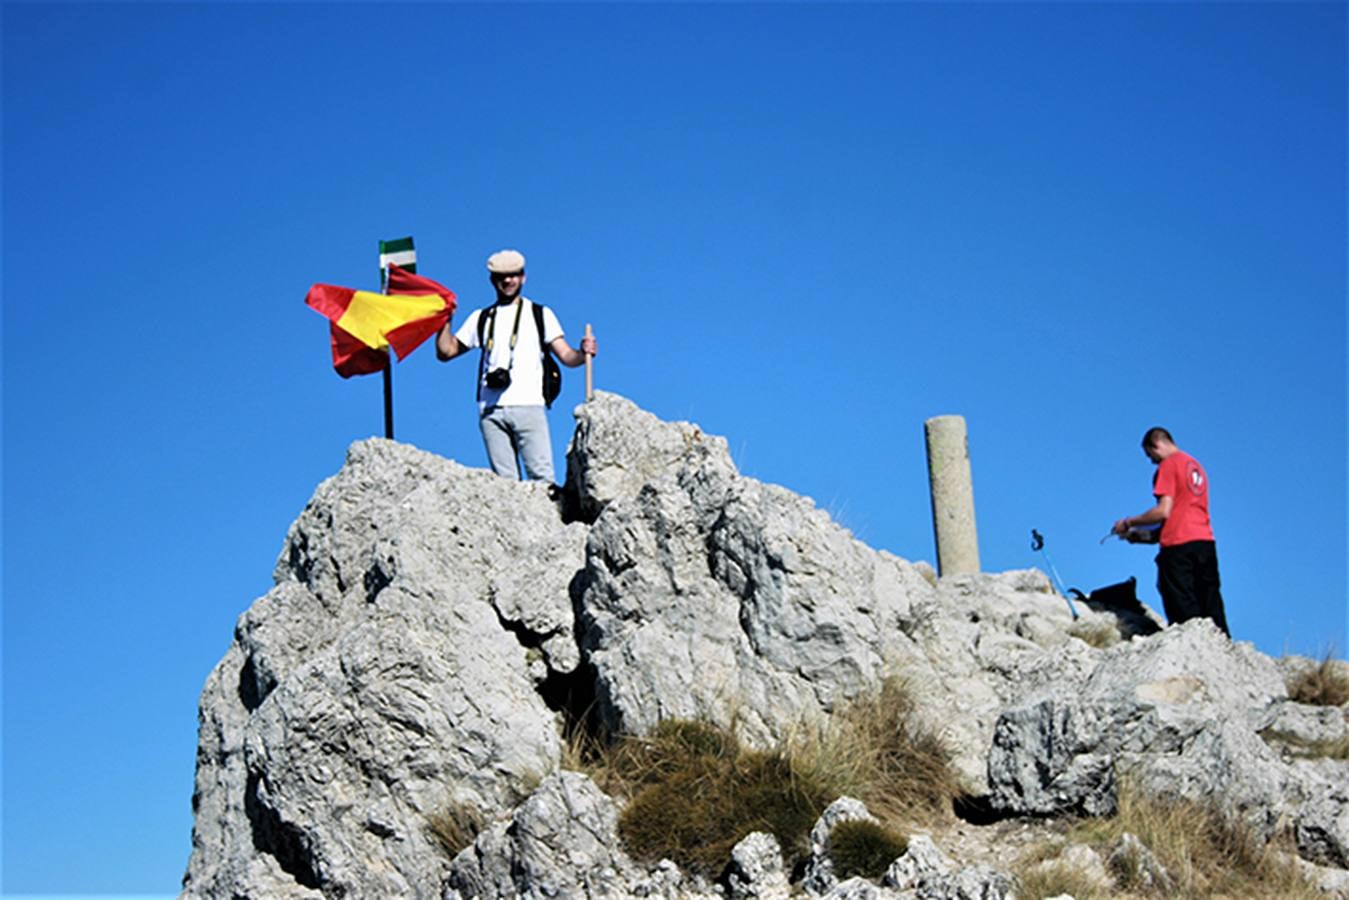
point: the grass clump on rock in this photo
(1056, 880)
(456, 826)
(862, 847)
(694, 791)
(1300, 747)
(879, 750)
(1205, 851)
(698, 792)
(1095, 632)
(1325, 684)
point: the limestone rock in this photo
(665, 880)
(713, 596)
(924, 871)
(1303, 727)
(921, 863)
(386, 675)
(1322, 826)
(429, 622)
(973, 634)
(1176, 711)
(618, 447)
(756, 869)
(856, 888)
(819, 876)
(561, 842)
(969, 883)
(1333, 882)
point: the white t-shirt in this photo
(526, 387)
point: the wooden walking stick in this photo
(590, 370)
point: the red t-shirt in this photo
(1181, 478)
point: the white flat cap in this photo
(504, 262)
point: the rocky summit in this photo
(433, 627)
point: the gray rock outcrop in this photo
(394, 668)
(1321, 829)
(819, 875)
(433, 627)
(711, 595)
(562, 841)
(756, 869)
(926, 873)
(1178, 713)
(922, 863)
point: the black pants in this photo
(1187, 579)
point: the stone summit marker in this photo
(948, 467)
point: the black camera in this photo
(498, 379)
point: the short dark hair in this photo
(1152, 434)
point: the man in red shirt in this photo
(1187, 564)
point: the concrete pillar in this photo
(948, 472)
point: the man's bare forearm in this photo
(571, 357)
(447, 345)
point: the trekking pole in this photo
(1037, 542)
(590, 370)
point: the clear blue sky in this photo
(806, 227)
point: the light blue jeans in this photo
(508, 430)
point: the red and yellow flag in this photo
(364, 324)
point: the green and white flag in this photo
(399, 252)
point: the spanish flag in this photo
(364, 324)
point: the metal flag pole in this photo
(400, 252)
(388, 358)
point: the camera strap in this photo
(515, 329)
(487, 338)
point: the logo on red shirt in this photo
(1194, 477)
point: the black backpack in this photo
(552, 372)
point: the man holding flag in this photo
(515, 335)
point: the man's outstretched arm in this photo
(565, 353)
(447, 345)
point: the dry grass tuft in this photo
(1326, 684)
(1095, 632)
(696, 793)
(1205, 852)
(879, 751)
(1041, 852)
(1057, 879)
(862, 847)
(1304, 749)
(457, 826)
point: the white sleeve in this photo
(468, 332)
(552, 328)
